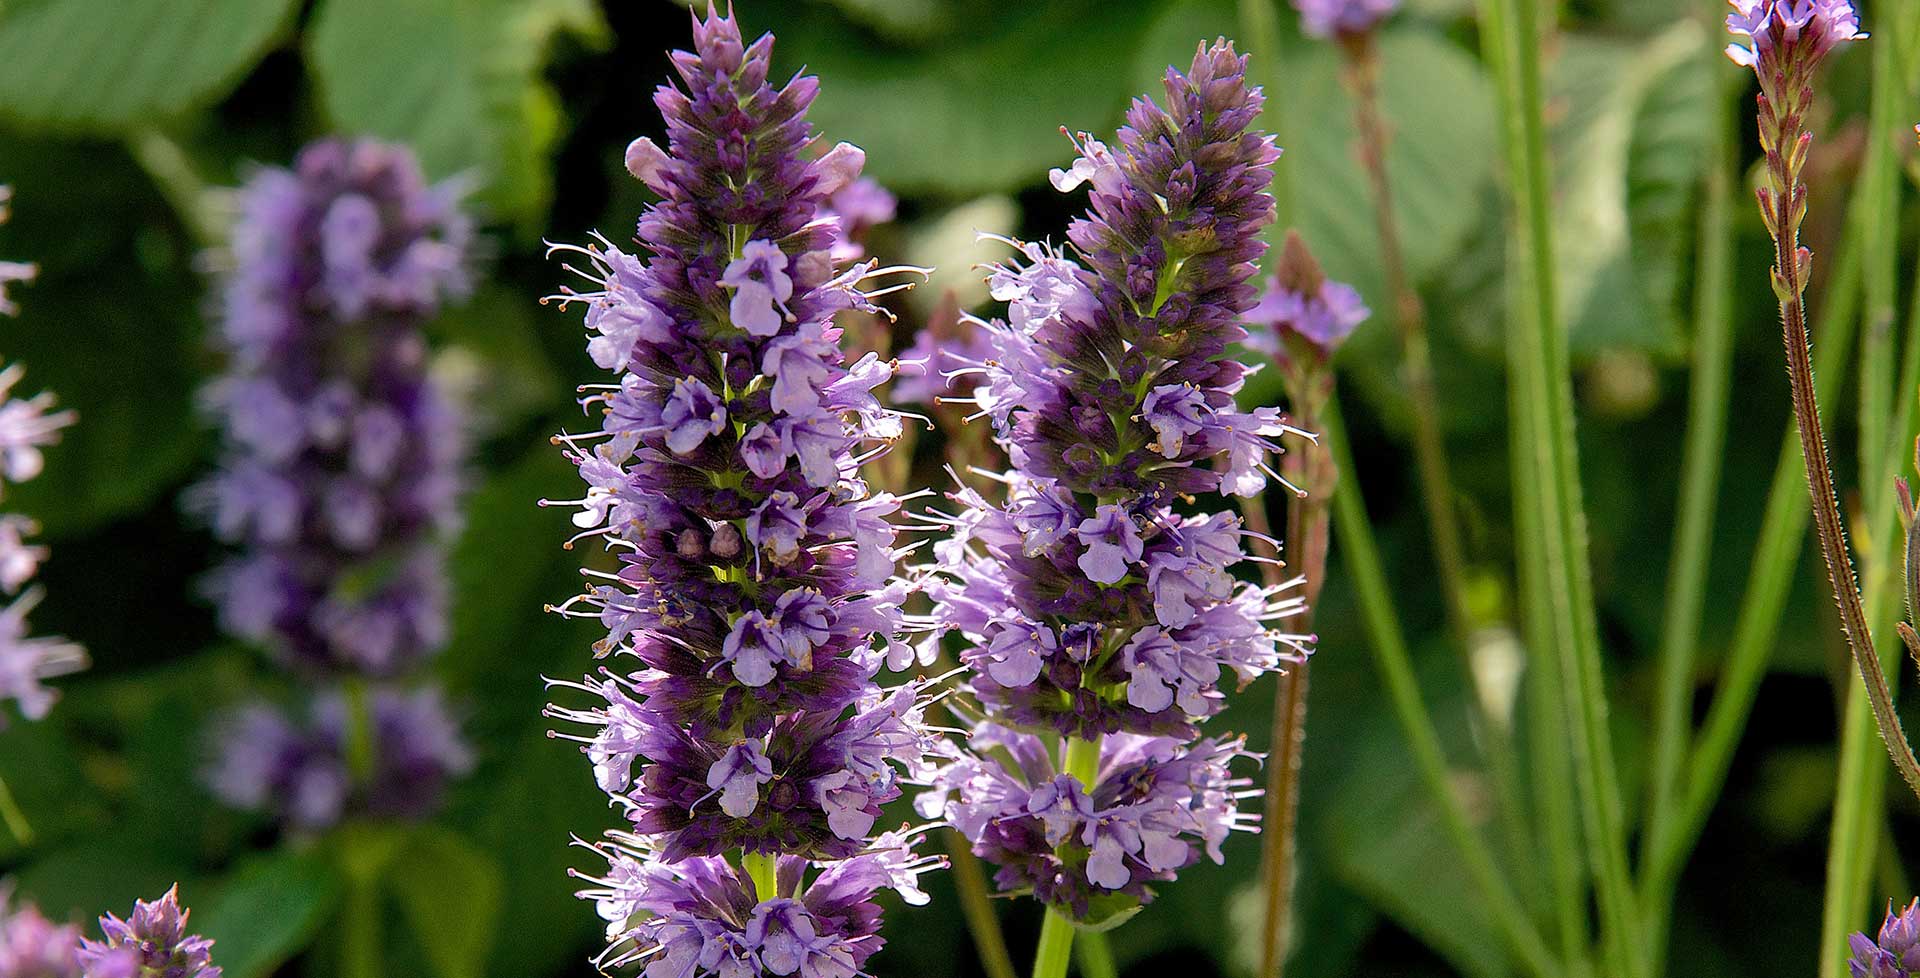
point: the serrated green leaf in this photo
(108, 66)
(268, 911)
(459, 81)
(450, 892)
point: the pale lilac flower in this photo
(26, 661)
(151, 943)
(1895, 952)
(31, 946)
(1326, 19)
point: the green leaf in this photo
(450, 892)
(980, 110)
(268, 911)
(108, 66)
(458, 80)
(1628, 146)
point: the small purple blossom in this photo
(27, 425)
(31, 946)
(1323, 318)
(1326, 19)
(153, 940)
(1895, 952)
(26, 661)
(1782, 32)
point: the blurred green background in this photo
(116, 116)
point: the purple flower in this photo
(341, 466)
(1156, 805)
(1335, 18)
(1789, 32)
(1112, 542)
(26, 426)
(1895, 953)
(754, 599)
(31, 946)
(296, 768)
(153, 940)
(1323, 318)
(11, 271)
(859, 206)
(26, 661)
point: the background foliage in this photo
(116, 114)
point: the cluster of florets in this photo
(298, 770)
(1090, 606)
(152, 941)
(1786, 35)
(27, 425)
(755, 587)
(1302, 310)
(702, 916)
(1155, 806)
(1895, 953)
(31, 946)
(341, 469)
(1342, 18)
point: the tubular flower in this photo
(341, 475)
(1326, 19)
(1089, 606)
(1303, 310)
(342, 458)
(31, 946)
(754, 595)
(27, 425)
(1895, 953)
(153, 940)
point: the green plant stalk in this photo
(1096, 955)
(1261, 29)
(1429, 442)
(1706, 435)
(1775, 556)
(1080, 759)
(361, 759)
(362, 940)
(1361, 558)
(976, 905)
(1554, 562)
(15, 819)
(763, 869)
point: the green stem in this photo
(360, 929)
(1782, 530)
(1362, 559)
(16, 819)
(976, 905)
(1096, 955)
(1699, 480)
(1555, 573)
(763, 869)
(1080, 759)
(361, 760)
(172, 170)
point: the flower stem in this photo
(1308, 465)
(976, 905)
(1706, 435)
(15, 819)
(360, 930)
(1361, 557)
(1555, 575)
(359, 746)
(1081, 760)
(1096, 955)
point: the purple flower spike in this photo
(1303, 310)
(1783, 34)
(341, 468)
(751, 597)
(1089, 606)
(31, 946)
(1327, 19)
(1895, 953)
(153, 940)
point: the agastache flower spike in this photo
(340, 477)
(152, 941)
(753, 602)
(27, 425)
(1333, 19)
(1089, 606)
